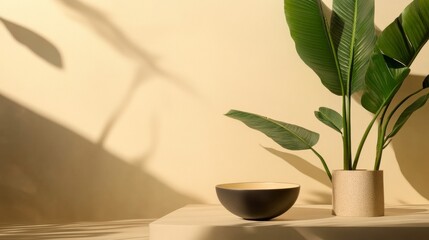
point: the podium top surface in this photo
(301, 222)
(299, 215)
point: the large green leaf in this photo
(404, 37)
(406, 114)
(309, 29)
(399, 44)
(289, 136)
(339, 54)
(353, 32)
(381, 84)
(330, 117)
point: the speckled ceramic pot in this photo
(358, 193)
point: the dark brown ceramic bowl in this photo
(257, 200)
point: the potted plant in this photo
(343, 49)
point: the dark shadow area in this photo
(273, 232)
(35, 43)
(139, 229)
(413, 231)
(369, 233)
(411, 145)
(303, 166)
(250, 232)
(309, 170)
(51, 174)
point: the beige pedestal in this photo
(315, 222)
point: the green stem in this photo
(399, 105)
(325, 166)
(344, 131)
(362, 142)
(364, 137)
(346, 134)
(380, 139)
(347, 127)
(380, 144)
(349, 135)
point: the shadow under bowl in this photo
(257, 200)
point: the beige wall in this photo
(114, 109)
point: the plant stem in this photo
(346, 134)
(399, 105)
(362, 142)
(380, 144)
(349, 135)
(347, 127)
(325, 166)
(364, 137)
(380, 139)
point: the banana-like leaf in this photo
(310, 31)
(425, 83)
(353, 32)
(399, 44)
(381, 84)
(406, 114)
(330, 117)
(288, 136)
(338, 54)
(404, 37)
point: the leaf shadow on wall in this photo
(411, 144)
(51, 174)
(35, 43)
(111, 33)
(308, 169)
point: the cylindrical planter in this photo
(357, 193)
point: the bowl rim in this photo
(257, 186)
